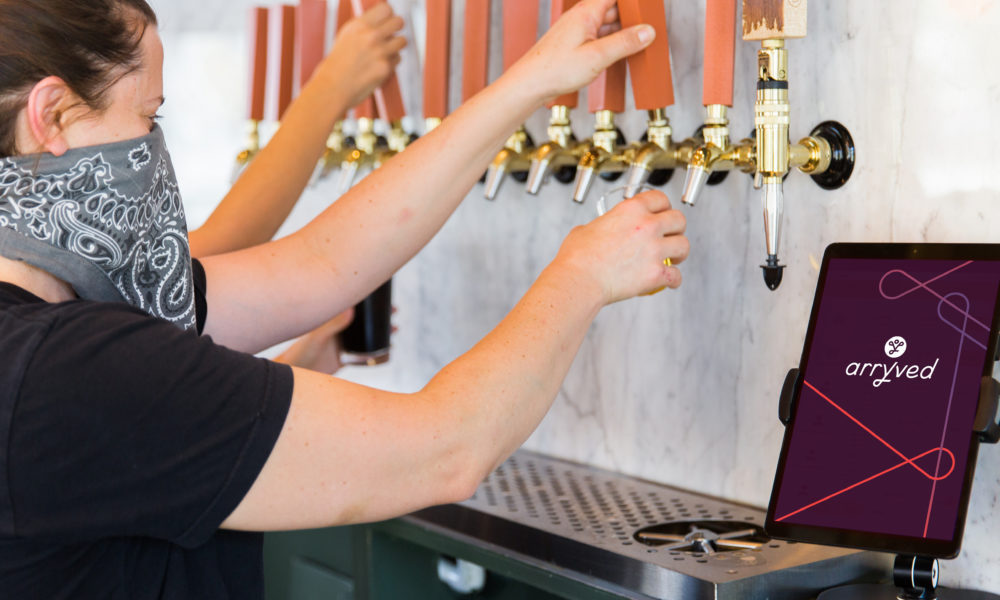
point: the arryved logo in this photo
(895, 347)
(881, 373)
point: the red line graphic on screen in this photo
(964, 335)
(911, 461)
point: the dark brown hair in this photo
(89, 44)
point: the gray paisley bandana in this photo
(106, 219)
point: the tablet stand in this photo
(914, 577)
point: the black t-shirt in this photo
(124, 444)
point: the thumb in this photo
(618, 45)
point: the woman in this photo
(138, 457)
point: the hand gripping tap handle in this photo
(388, 98)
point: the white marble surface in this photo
(682, 387)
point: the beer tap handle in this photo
(652, 80)
(571, 99)
(436, 59)
(720, 51)
(282, 58)
(520, 29)
(258, 62)
(607, 92)
(475, 47)
(310, 39)
(770, 20)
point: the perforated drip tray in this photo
(639, 538)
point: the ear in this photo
(46, 103)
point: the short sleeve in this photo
(126, 425)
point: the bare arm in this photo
(363, 238)
(364, 54)
(350, 454)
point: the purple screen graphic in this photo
(884, 419)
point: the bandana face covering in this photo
(106, 219)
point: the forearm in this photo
(263, 196)
(503, 387)
(396, 210)
(350, 454)
(365, 236)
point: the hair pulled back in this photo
(89, 44)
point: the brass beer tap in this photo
(827, 154)
(520, 29)
(604, 154)
(558, 156)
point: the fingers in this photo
(611, 15)
(655, 201)
(377, 14)
(676, 248)
(626, 42)
(608, 29)
(390, 26)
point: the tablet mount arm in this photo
(915, 577)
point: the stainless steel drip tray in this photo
(641, 538)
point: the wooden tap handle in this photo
(652, 81)
(282, 58)
(258, 63)
(607, 92)
(558, 8)
(475, 47)
(310, 46)
(774, 19)
(365, 110)
(520, 29)
(436, 59)
(720, 52)
(388, 97)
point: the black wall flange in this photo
(841, 155)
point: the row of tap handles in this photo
(296, 44)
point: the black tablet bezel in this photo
(880, 541)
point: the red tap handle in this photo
(436, 59)
(607, 92)
(652, 81)
(282, 58)
(310, 46)
(520, 29)
(720, 50)
(475, 47)
(258, 63)
(558, 8)
(388, 98)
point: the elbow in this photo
(464, 476)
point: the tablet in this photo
(879, 452)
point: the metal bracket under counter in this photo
(575, 531)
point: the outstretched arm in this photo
(279, 290)
(350, 454)
(364, 54)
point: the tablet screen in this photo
(881, 442)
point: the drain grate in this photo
(603, 507)
(659, 541)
